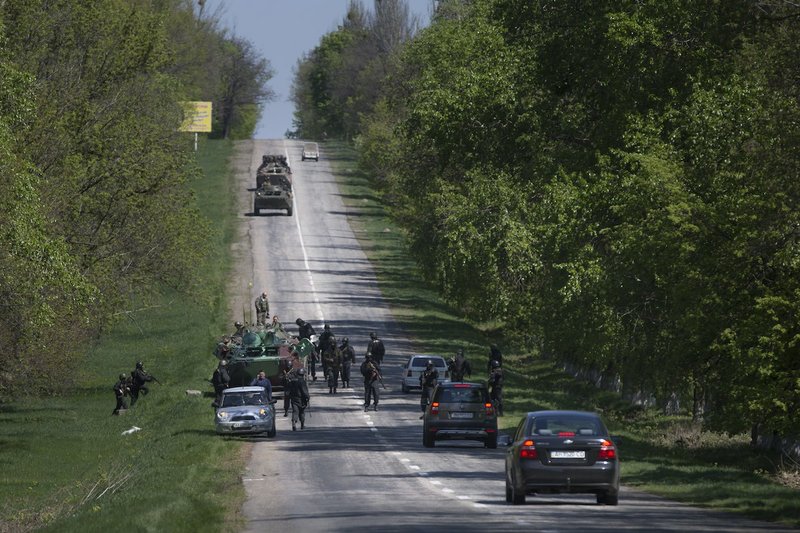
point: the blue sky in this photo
(282, 31)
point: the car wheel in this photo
(508, 492)
(289, 212)
(256, 210)
(404, 388)
(608, 498)
(491, 441)
(271, 433)
(517, 497)
(428, 440)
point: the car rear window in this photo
(421, 362)
(461, 395)
(576, 425)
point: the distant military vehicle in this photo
(275, 192)
(272, 164)
(268, 348)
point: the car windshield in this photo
(569, 425)
(422, 362)
(461, 395)
(239, 399)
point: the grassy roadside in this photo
(661, 455)
(67, 466)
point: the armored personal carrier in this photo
(272, 164)
(267, 348)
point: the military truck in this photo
(268, 348)
(275, 192)
(272, 164)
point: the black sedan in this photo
(562, 452)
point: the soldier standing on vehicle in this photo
(348, 360)
(496, 386)
(459, 367)
(494, 355)
(372, 377)
(221, 380)
(261, 381)
(298, 392)
(332, 363)
(262, 309)
(237, 335)
(376, 349)
(427, 381)
(120, 391)
(139, 380)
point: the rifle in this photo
(155, 379)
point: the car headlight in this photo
(222, 415)
(262, 413)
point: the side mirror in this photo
(504, 440)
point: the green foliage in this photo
(615, 182)
(97, 211)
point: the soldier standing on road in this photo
(120, 391)
(262, 309)
(285, 377)
(376, 349)
(306, 330)
(496, 386)
(139, 380)
(324, 345)
(459, 367)
(427, 381)
(221, 380)
(332, 359)
(348, 360)
(298, 392)
(372, 377)
(494, 355)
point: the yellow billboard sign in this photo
(196, 117)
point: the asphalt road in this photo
(356, 471)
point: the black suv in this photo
(460, 411)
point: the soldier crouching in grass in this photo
(121, 390)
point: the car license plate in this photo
(461, 415)
(568, 454)
(241, 424)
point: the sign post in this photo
(197, 118)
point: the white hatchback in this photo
(311, 151)
(415, 366)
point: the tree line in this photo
(97, 214)
(617, 183)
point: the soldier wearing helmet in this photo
(376, 349)
(121, 390)
(494, 355)
(427, 381)
(221, 380)
(297, 389)
(139, 380)
(495, 383)
(262, 309)
(348, 360)
(237, 335)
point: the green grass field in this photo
(661, 455)
(67, 466)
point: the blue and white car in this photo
(245, 411)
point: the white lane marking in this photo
(303, 245)
(436, 482)
(405, 460)
(374, 429)
(422, 473)
(478, 506)
(254, 479)
(396, 453)
(370, 423)
(413, 467)
(448, 491)
(463, 497)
